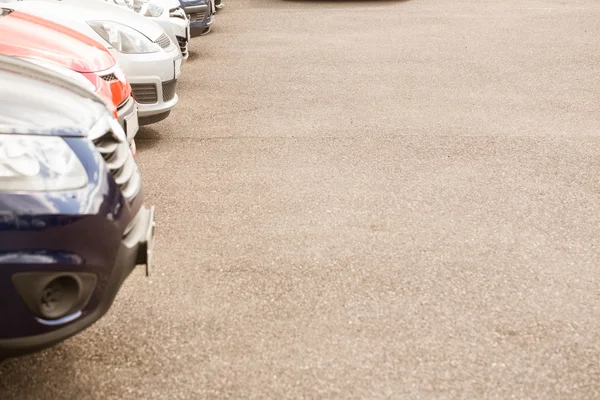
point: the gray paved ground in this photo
(364, 200)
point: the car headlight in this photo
(147, 9)
(128, 3)
(39, 163)
(123, 38)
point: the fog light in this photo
(54, 295)
(58, 297)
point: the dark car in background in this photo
(200, 13)
(72, 220)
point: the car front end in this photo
(112, 86)
(171, 17)
(150, 60)
(200, 13)
(178, 17)
(72, 220)
(153, 80)
(164, 13)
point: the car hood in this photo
(32, 116)
(166, 4)
(76, 13)
(27, 36)
(36, 100)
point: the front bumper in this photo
(200, 17)
(149, 76)
(135, 248)
(127, 113)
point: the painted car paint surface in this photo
(27, 36)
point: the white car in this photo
(171, 17)
(166, 13)
(149, 58)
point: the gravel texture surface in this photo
(364, 199)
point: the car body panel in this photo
(89, 10)
(27, 35)
(44, 113)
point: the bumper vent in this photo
(145, 93)
(163, 41)
(196, 17)
(168, 89)
(120, 163)
(183, 45)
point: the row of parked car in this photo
(77, 80)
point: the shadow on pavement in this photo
(193, 56)
(146, 138)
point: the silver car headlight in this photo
(147, 9)
(39, 163)
(123, 38)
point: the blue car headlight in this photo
(39, 163)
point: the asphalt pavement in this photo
(364, 199)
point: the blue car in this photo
(200, 13)
(72, 220)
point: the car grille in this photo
(163, 41)
(109, 77)
(183, 45)
(168, 89)
(144, 93)
(120, 163)
(196, 17)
